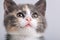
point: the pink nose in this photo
(28, 19)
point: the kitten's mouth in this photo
(28, 25)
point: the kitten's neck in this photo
(22, 38)
(18, 37)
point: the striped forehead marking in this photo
(27, 10)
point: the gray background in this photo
(52, 16)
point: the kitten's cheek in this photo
(34, 24)
(22, 23)
(12, 29)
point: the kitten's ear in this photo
(41, 5)
(9, 5)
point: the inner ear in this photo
(41, 6)
(9, 5)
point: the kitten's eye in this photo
(35, 15)
(20, 14)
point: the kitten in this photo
(24, 21)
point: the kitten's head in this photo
(24, 16)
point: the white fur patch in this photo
(26, 34)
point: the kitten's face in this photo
(24, 19)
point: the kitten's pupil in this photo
(35, 15)
(20, 14)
